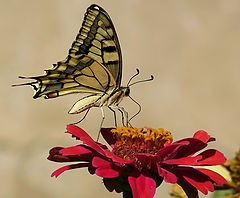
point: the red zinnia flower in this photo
(140, 159)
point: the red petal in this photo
(108, 136)
(59, 171)
(198, 179)
(84, 137)
(75, 150)
(167, 176)
(202, 135)
(183, 160)
(142, 185)
(211, 157)
(190, 190)
(169, 149)
(116, 158)
(193, 146)
(213, 175)
(202, 186)
(108, 172)
(72, 154)
(98, 162)
(55, 150)
(105, 168)
(148, 159)
(55, 156)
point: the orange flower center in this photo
(139, 140)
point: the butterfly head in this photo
(126, 91)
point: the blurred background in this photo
(191, 47)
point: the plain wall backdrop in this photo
(191, 47)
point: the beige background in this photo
(191, 47)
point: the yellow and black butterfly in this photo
(93, 65)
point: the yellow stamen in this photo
(143, 139)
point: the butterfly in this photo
(93, 65)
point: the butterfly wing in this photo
(98, 39)
(87, 76)
(94, 63)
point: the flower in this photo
(141, 158)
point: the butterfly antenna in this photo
(150, 79)
(23, 84)
(140, 108)
(133, 77)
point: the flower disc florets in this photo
(130, 141)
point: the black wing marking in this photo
(98, 39)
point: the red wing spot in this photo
(52, 95)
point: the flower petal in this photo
(190, 190)
(105, 168)
(190, 149)
(203, 136)
(75, 150)
(196, 178)
(167, 176)
(169, 149)
(55, 156)
(108, 136)
(213, 175)
(117, 159)
(59, 171)
(142, 185)
(202, 186)
(55, 150)
(183, 160)
(84, 137)
(71, 154)
(211, 157)
(147, 159)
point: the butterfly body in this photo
(110, 98)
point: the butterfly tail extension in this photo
(85, 103)
(33, 84)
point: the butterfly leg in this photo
(82, 117)
(124, 113)
(103, 117)
(114, 113)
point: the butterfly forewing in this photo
(98, 39)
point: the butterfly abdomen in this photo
(84, 104)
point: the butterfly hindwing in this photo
(87, 76)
